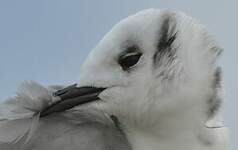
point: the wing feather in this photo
(21, 128)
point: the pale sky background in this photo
(47, 40)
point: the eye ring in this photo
(129, 60)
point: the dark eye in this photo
(129, 60)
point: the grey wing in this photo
(77, 131)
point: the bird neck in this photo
(171, 131)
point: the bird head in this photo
(151, 66)
(155, 62)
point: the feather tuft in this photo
(19, 116)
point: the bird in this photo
(152, 83)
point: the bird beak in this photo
(70, 97)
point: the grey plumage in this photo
(86, 130)
(80, 130)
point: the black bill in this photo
(72, 96)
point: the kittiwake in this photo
(152, 83)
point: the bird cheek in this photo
(112, 94)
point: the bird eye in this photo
(129, 60)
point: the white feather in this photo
(19, 116)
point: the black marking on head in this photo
(117, 124)
(217, 78)
(215, 101)
(216, 50)
(166, 39)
